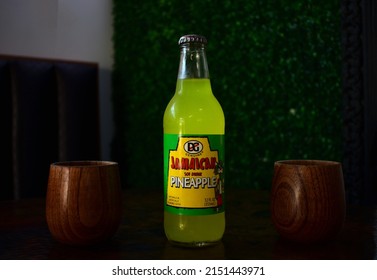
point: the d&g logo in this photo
(193, 147)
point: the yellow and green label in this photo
(193, 174)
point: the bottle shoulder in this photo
(180, 106)
(194, 109)
(194, 94)
(202, 117)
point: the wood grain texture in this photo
(83, 204)
(308, 200)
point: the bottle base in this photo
(194, 244)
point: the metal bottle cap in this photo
(192, 38)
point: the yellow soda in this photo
(194, 128)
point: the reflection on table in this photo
(249, 233)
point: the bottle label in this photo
(193, 174)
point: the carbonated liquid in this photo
(193, 110)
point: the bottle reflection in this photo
(215, 252)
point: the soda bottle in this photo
(194, 128)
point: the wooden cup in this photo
(83, 204)
(308, 200)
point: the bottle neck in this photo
(193, 62)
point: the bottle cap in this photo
(192, 38)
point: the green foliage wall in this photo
(274, 66)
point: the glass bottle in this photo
(194, 128)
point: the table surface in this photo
(249, 233)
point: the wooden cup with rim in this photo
(308, 200)
(83, 203)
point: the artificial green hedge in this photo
(275, 68)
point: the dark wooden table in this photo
(249, 233)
